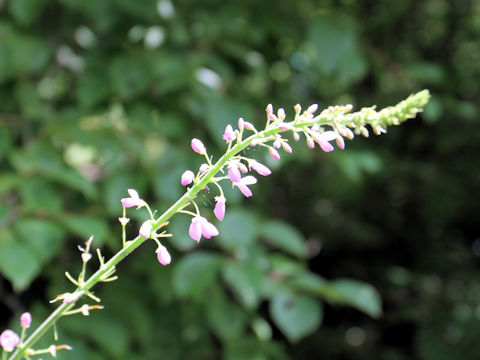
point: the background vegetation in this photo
(99, 96)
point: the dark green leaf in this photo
(296, 316)
(284, 236)
(18, 263)
(194, 273)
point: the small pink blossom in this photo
(310, 142)
(269, 109)
(272, 117)
(187, 177)
(286, 147)
(277, 144)
(323, 139)
(145, 229)
(296, 136)
(281, 113)
(229, 134)
(26, 320)
(133, 200)
(234, 172)
(274, 153)
(243, 185)
(163, 255)
(9, 340)
(242, 167)
(198, 147)
(203, 168)
(259, 168)
(340, 142)
(219, 210)
(248, 126)
(201, 227)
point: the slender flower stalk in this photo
(338, 119)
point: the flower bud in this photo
(269, 109)
(312, 108)
(340, 142)
(297, 108)
(9, 340)
(198, 147)
(286, 147)
(187, 178)
(219, 210)
(203, 168)
(145, 229)
(229, 134)
(274, 153)
(281, 113)
(163, 255)
(26, 320)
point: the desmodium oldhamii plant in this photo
(332, 124)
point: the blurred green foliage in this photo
(100, 96)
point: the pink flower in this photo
(269, 109)
(163, 255)
(145, 229)
(259, 168)
(203, 168)
(277, 144)
(248, 126)
(133, 200)
(242, 167)
(234, 172)
(323, 139)
(198, 147)
(187, 177)
(229, 134)
(219, 210)
(200, 226)
(286, 147)
(274, 153)
(340, 142)
(243, 185)
(9, 340)
(26, 320)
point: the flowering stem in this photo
(392, 115)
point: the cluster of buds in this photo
(335, 123)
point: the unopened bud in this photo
(296, 136)
(297, 108)
(349, 134)
(281, 113)
(269, 109)
(312, 108)
(364, 131)
(340, 142)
